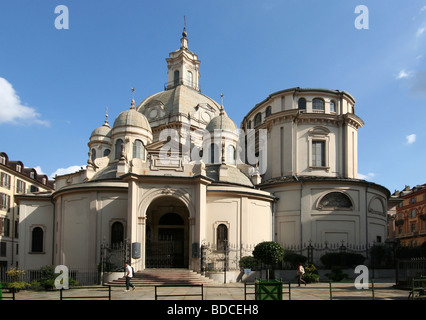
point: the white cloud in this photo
(367, 176)
(411, 138)
(420, 31)
(62, 171)
(403, 74)
(423, 9)
(12, 110)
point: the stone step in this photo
(165, 276)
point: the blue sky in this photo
(56, 83)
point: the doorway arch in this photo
(167, 234)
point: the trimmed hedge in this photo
(342, 259)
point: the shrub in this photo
(269, 253)
(337, 274)
(311, 274)
(248, 262)
(293, 259)
(342, 259)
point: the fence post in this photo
(372, 287)
(1, 292)
(289, 290)
(331, 295)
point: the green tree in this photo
(269, 253)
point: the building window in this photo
(107, 152)
(5, 180)
(332, 106)
(257, 119)
(118, 148)
(230, 155)
(2, 159)
(413, 227)
(413, 213)
(4, 202)
(318, 153)
(214, 154)
(176, 78)
(268, 111)
(138, 150)
(249, 124)
(3, 252)
(18, 167)
(413, 200)
(6, 227)
(335, 200)
(318, 105)
(190, 79)
(117, 233)
(37, 235)
(93, 157)
(222, 237)
(20, 186)
(301, 104)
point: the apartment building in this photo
(16, 179)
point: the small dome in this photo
(132, 117)
(222, 122)
(103, 130)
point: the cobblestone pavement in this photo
(383, 290)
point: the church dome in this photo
(133, 118)
(103, 130)
(222, 122)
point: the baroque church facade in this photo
(176, 167)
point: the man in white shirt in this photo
(128, 274)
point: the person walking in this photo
(300, 273)
(128, 273)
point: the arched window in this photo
(190, 79)
(107, 152)
(257, 119)
(332, 106)
(214, 154)
(118, 148)
(230, 154)
(93, 154)
(222, 236)
(318, 105)
(117, 233)
(335, 200)
(176, 78)
(37, 235)
(249, 124)
(138, 150)
(301, 104)
(268, 111)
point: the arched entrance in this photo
(167, 234)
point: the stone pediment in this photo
(167, 155)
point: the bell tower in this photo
(183, 66)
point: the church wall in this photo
(300, 216)
(248, 220)
(35, 213)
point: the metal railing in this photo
(98, 288)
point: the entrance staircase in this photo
(164, 276)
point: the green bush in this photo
(311, 274)
(269, 253)
(249, 262)
(337, 274)
(292, 259)
(342, 259)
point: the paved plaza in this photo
(383, 290)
